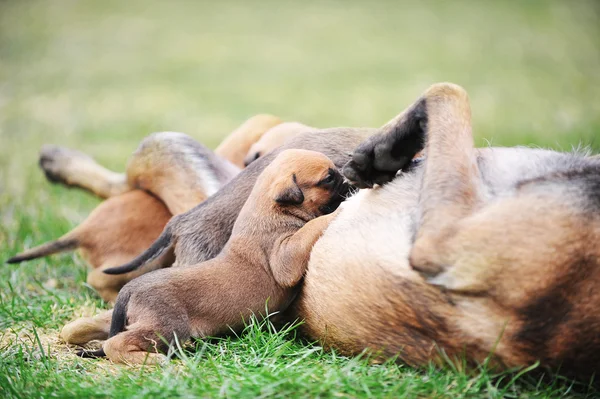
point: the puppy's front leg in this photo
(291, 254)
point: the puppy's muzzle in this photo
(339, 193)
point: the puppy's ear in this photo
(290, 195)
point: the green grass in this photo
(99, 76)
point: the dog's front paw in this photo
(58, 163)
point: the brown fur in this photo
(200, 234)
(174, 167)
(235, 147)
(510, 278)
(515, 275)
(178, 170)
(273, 138)
(74, 168)
(116, 231)
(263, 261)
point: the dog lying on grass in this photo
(263, 261)
(483, 254)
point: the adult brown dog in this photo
(471, 252)
(262, 262)
(485, 253)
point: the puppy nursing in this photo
(464, 254)
(262, 263)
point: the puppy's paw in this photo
(60, 163)
(84, 330)
(380, 157)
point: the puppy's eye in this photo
(329, 179)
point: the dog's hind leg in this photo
(451, 186)
(439, 123)
(178, 170)
(182, 173)
(135, 347)
(74, 168)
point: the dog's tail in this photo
(117, 323)
(68, 242)
(119, 316)
(152, 258)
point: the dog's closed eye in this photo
(330, 178)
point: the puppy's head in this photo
(306, 184)
(274, 138)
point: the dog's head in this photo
(274, 138)
(306, 184)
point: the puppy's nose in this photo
(341, 185)
(344, 188)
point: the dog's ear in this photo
(290, 195)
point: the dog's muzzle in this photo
(338, 194)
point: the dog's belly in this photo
(360, 292)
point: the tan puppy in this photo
(116, 231)
(263, 261)
(131, 219)
(76, 169)
(273, 138)
(235, 147)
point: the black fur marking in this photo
(91, 354)
(157, 248)
(249, 160)
(379, 158)
(544, 316)
(119, 316)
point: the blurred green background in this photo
(100, 75)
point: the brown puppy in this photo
(129, 221)
(264, 260)
(76, 169)
(201, 233)
(151, 167)
(273, 138)
(116, 231)
(235, 147)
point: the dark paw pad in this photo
(379, 158)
